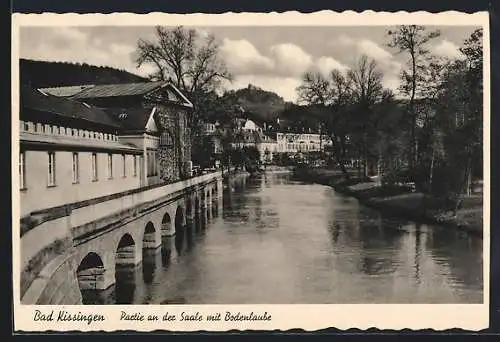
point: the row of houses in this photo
(269, 143)
(83, 142)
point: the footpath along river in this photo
(280, 241)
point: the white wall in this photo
(37, 195)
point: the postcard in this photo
(250, 171)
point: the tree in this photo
(412, 39)
(460, 117)
(191, 62)
(367, 90)
(328, 99)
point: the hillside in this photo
(39, 74)
(259, 105)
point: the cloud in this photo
(285, 60)
(447, 49)
(386, 62)
(345, 40)
(373, 50)
(290, 59)
(243, 58)
(68, 44)
(325, 65)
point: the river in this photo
(274, 240)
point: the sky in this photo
(273, 58)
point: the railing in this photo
(54, 130)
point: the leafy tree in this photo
(459, 114)
(413, 40)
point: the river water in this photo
(274, 240)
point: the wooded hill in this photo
(40, 74)
(258, 104)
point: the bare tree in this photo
(192, 63)
(367, 89)
(315, 89)
(366, 81)
(412, 39)
(178, 55)
(329, 96)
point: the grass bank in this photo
(401, 201)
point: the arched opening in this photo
(149, 239)
(208, 202)
(166, 237)
(179, 229)
(125, 252)
(197, 213)
(125, 270)
(214, 203)
(149, 253)
(166, 225)
(91, 281)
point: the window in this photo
(110, 166)
(135, 166)
(52, 169)
(459, 119)
(22, 170)
(124, 168)
(94, 167)
(76, 168)
(152, 169)
(166, 139)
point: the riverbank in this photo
(400, 201)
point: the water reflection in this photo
(312, 245)
(166, 250)
(149, 263)
(125, 286)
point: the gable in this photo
(169, 93)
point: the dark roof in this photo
(130, 119)
(114, 90)
(65, 91)
(43, 102)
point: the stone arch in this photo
(207, 198)
(91, 276)
(179, 218)
(189, 207)
(180, 232)
(125, 262)
(149, 237)
(197, 208)
(125, 252)
(149, 253)
(166, 225)
(90, 272)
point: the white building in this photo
(72, 151)
(301, 142)
(251, 126)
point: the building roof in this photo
(65, 91)
(119, 89)
(131, 89)
(130, 119)
(43, 102)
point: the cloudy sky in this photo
(273, 58)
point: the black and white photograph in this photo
(187, 164)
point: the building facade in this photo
(301, 142)
(153, 116)
(79, 147)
